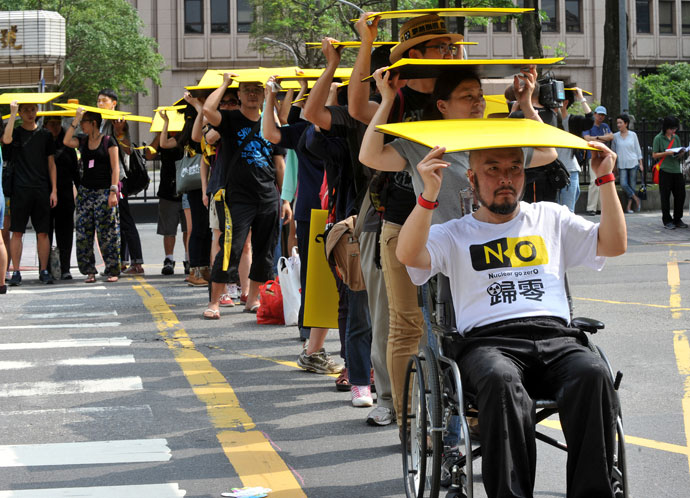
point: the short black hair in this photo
(670, 122)
(110, 93)
(93, 116)
(444, 86)
(625, 118)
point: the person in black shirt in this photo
(97, 196)
(252, 198)
(34, 185)
(62, 215)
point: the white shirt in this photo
(514, 269)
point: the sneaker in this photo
(226, 301)
(3, 289)
(45, 277)
(66, 276)
(168, 267)
(670, 226)
(196, 280)
(361, 396)
(680, 224)
(187, 269)
(234, 291)
(318, 362)
(16, 279)
(380, 416)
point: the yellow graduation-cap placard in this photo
(106, 113)
(476, 134)
(28, 98)
(341, 72)
(350, 44)
(486, 68)
(213, 78)
(139, 119)
(65, 113)
(583, 91)
(495, 104)
(451, 12)
(175, 118)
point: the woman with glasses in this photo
(97, 196)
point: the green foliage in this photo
(666, 93)
(105, 47)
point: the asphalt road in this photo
(122, 390)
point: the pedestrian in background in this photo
(627, 146)
(671, 181)
(600, 132)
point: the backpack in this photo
(342, 251)
(137, 177)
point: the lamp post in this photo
(285, 46)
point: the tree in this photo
(665, 93)
(530, 28)
(610, 79)
(104, 47)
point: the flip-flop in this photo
(253, 309)
(210, 314)
(90, 279)
(112, 278)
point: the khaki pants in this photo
(593, 203)
(406, 319)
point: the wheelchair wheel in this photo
(620, 477)
(422, 444)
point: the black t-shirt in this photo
(67, 166)
(96, 170)
(167, 187)
(252, 177)
(400, 199)
(309, 171)
(29, 153)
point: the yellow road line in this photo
(248, 450)
(680, 340)
(285, 363)
(662, 306)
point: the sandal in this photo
(342, 383)
(253, 309)
(90, 279)
(210, 314)
(112, 278)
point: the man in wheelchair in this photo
(506, 264)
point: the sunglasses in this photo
(229, 102)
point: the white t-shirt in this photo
(510, 270)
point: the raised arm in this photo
(269, 128)
(69, 139)
(211, 112)
(165, 141)
(373, 152)
(9, 127)
(613, 235)
(199, 120)
(315, 109)
(359, 105)
(411, 250)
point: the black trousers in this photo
(62, 226)
(506, 366)
(671, 184)
(200, 235)
(129, 235)
(262, 219)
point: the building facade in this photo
(195, 35)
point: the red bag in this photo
(657, 166)
(270, 311)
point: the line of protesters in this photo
(252, 146)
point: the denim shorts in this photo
(185, 201)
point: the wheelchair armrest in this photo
(587, 324)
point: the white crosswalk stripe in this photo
(70, 387)
(92, 342)
(71, 362)
(169, 490)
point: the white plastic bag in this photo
(288, 271)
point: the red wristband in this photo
(426, 204)
(604, 179)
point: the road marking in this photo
(71, 387)
(58, 289)
(168, 490)
(70, 362)
(680, 341)
(85, 410)
(66, 314)
(98, 325)
(248, 450)
(662, 306)
(69, 343)
(85, 453)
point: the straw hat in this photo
(420, 29)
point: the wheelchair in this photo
(433, 394)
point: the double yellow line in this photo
(248, 450)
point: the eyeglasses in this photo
(230, 102)
(444, 48)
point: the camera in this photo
(551, 92)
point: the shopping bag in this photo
(288, 270)
(188, 173)
(655, 173)
(270, 311)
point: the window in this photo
(220, 16)
(551, 9)
(573, 16)
(666, 17)
(476, 28)
(643, 16)
(193, 16)
(245, 16)
(501, 27)
(685, 16)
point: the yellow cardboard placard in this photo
(176, 119)
(106, 113)
(351, 44)
(29, 98)
(583, 91)
(486, 68)
(447, 12)
(476, 134)
(321, 295)
(495, 104)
